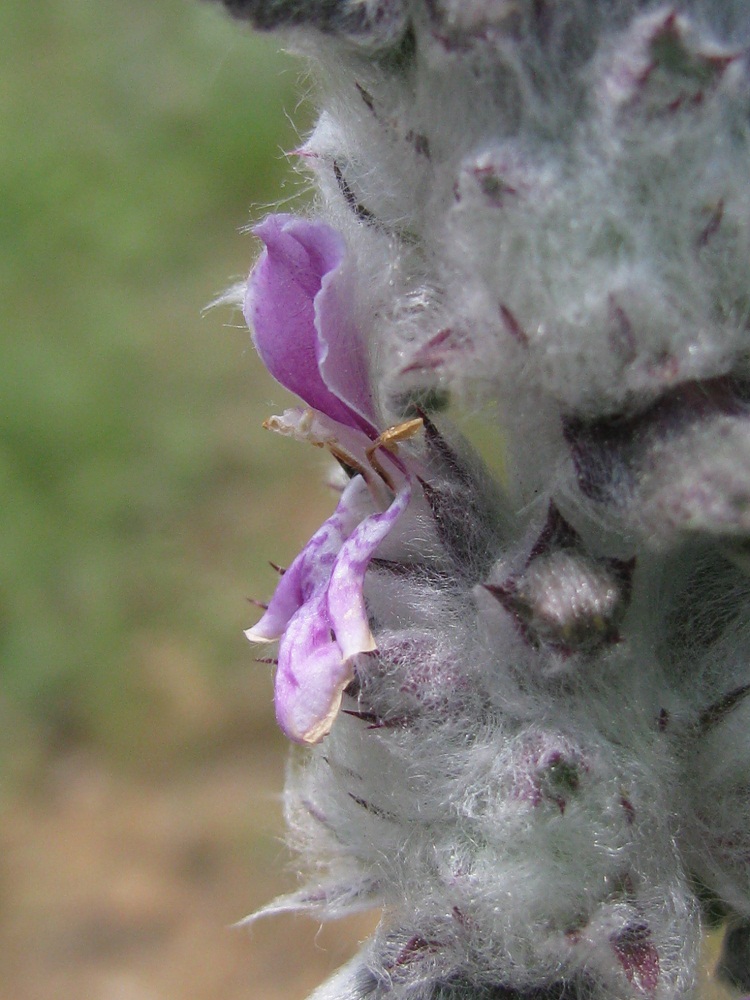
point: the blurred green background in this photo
(140, 501)
(135, 483)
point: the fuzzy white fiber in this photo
(542, 774)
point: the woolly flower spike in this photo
(303, 330)
(541, 691)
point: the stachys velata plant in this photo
(524, 702)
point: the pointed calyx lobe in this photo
(564, 598)
(465, 505)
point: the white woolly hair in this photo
(581, 239)
(541, 776)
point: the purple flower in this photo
(299, 307)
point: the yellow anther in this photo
(389, 440)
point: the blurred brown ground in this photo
(125, 888)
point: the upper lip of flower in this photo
(299, 307)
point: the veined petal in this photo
(346, 603)
(319, 614)
(311, 569)
(298, 305)
(311, 675)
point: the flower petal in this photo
(311, 569)
(299, 309)
(311, 675)
(330, 627)
(346, 604)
